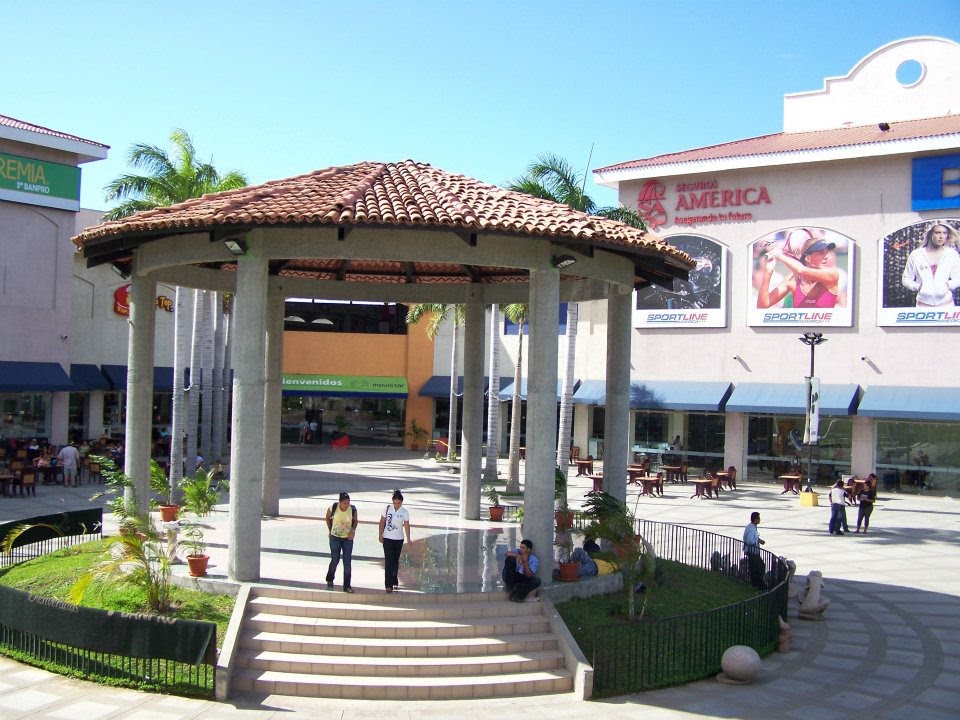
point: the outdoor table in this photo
(724, 476)
(791, 483)
(597, 482)
(703, 488)
(672, 471)
(584, 467)
(635, 473)
(652, 486)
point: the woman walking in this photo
(394, 524)
(868, 496)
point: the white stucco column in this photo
(617, 412)
(863, 459)
(246, 447)
(541, 445)
(93, 415)
(273, 391)
(59, 417)
(142, 319)
(471, 462)
(735, 443)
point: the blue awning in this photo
(914, 403)
(33, 377)
(791, 398)
(162, 377)
(506, 391)
(438, 386)
(691, 396)
(87, 377)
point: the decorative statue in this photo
(786, 633)
(811, 607)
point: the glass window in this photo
(24, 415)
(775, 447)
(917, 456)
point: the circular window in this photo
(910, 72)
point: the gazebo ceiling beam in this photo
(468, 236)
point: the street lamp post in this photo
(812, 339)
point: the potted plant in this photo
(569, 571)
(417, 435)
(159, 483)
(563, 516)
(341, 422)
(492, 494)
(199, 493)
(196, 549)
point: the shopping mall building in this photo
(827, 227)
(820, 228)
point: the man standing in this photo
(342, 524)
(751, 548)
(69, 459)
(838, 509)
(520, 571)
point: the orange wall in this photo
(410, 356)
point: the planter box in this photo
(809, 499)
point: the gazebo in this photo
(400, 232)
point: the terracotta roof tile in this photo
(803, 141)
(383, 194)
(22, 125)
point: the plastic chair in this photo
(28, 482)
(732, 480)
(574, 454)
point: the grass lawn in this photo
(680, 589)
(53, 575)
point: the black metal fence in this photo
(142, 651)
(670, 651)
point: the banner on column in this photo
(811, 428)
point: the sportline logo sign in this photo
(697, 203)
(344, 385)
(37, 182)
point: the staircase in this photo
(400, 646)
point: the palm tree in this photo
(438, 316)
(516, 313)
(493, 398)
(550, 177)
(168, 179)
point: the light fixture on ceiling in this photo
(883, 126)
(562, 261)
(237, 246)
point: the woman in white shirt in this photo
(933, 269)
(394, 524)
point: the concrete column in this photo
(735, 443)
(142, 319)
(471, 462)
(246, 448)
(617, 412)
(863, 460)
(273, 392)
(541, 445)
(93, 416)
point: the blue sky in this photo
(281, 88)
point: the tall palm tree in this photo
(438, 314)
(493, 398)
(167, 179)
(517, 314)
(551, 177)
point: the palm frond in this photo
(624, 215)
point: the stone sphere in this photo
(740, 663)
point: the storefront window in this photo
(917, 456)
(24, 415)
(775, 447)
(367, 421)
(701, 438)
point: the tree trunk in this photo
(181, 323)
(566, 396)
(513, 479)
(216, 439)
(195, 386)
(206, 361)
(454, 376)
(493, 398)
(227, 380)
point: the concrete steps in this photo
(400, 646)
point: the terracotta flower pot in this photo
(569, 571)
(198, 564)
(496, 513)
(168, 513)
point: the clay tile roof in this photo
(804, 141)
(29, 127)
(403, 194)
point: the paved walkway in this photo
(889, 647)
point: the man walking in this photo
(751, 548)
(69, 459)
